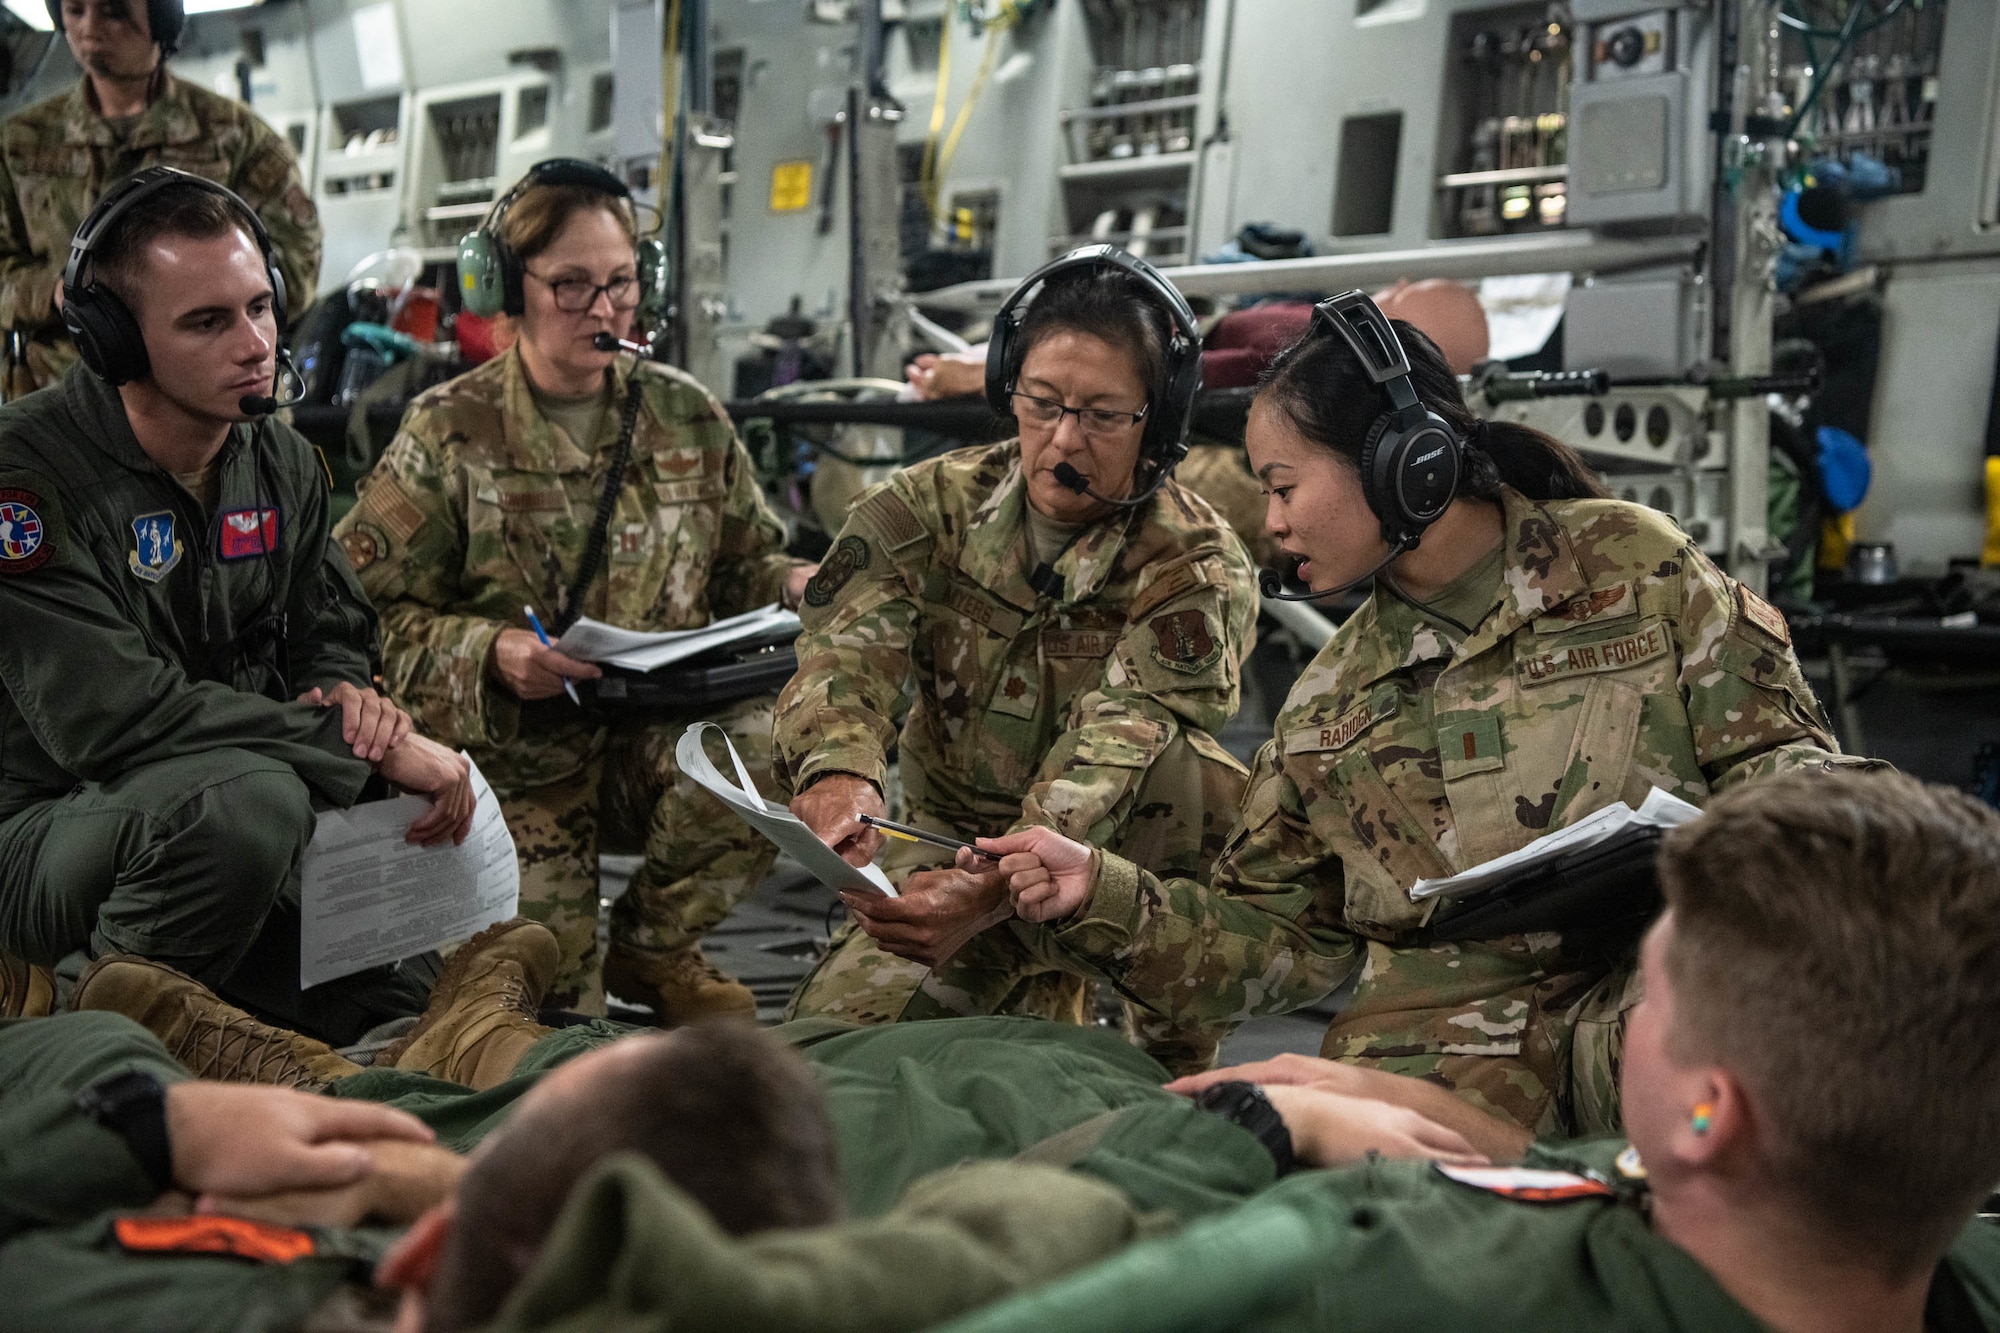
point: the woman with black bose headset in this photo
(1532, 652)
(1071, 623)
(558, 480)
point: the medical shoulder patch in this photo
(1183, 642)
(849, 556)
(27, 534)
(1763, 615)
(233, 1236)
(363, 544)
(1526, 1184)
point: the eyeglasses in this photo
(576, 295)
(1097, 422)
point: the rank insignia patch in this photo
(155, 548)
(1182, 641)
(24, 541)
(249, 532)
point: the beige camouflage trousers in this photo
(1555, 1071)
(700, 860)
(1181, 815)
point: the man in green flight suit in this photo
(186, 673)
(58, 157)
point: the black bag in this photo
(1613, 885)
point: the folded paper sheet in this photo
(1658, 810)
(368, 897)
(594, 641)
(772, 820)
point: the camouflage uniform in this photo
(480, 507)
(59, 156)
(1616, 658)
(1091, 712)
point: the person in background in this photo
(487, 504)
(58, 157)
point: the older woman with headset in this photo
(1071, 623)
(558, 480)
(1531, 653)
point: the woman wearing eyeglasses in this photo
(1069, 660)
(483, 506)
(1540, 653)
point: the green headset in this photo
(489, 272)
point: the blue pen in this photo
(535, 621)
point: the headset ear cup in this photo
(107, 338)
(513, 295)
(281, 299)
(1374, 476)
(999, 373)
(479, 286)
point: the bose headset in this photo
(490, 273)
(101, 325)
(1170, 408)
(1411, 459)
(166, 18)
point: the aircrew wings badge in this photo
(25, 543)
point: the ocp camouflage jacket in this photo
(480, 507)
(1030, 708)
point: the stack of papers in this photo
(1658, 810)
(774, 821)
(369, 898)
(594, 641)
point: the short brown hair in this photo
(183, 208)
(726, 1111)
(534, 220)
(1836, 944)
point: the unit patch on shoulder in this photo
(26, 544)
(1526, 1184)
(1182, 641)
(1763, 615)
(363, 544)
(249, 532)
(155, 547)
(234, 1236)
(848, 557)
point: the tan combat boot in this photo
(26, 991)
(677, 987)
(203, 1031)
(481, 1018)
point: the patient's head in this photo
(727, 1112)
(1820, 1008)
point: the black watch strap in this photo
(133, 1104)
(1245, 1105)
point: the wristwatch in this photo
(1245, 1105)
(133, 1104)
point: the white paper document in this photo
(369, 898)
(594, 641)
(772, 820)
(1658, 810)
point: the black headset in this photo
(165, 17)
(1410, 461)
(107, 337)
(490, 273)
(1171, 408)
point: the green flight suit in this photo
(157, 784)
(1611, 657)
(480, 506)
(59, 156)
(1089, 707)
(1114, 1155)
